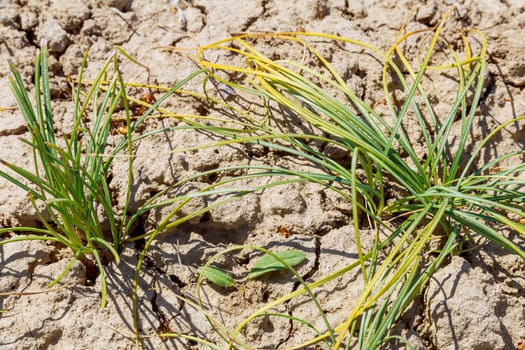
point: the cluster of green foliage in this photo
(443, 192)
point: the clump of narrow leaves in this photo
(446, 193)
(71, 175)
(71, 187)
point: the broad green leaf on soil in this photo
(217, 276)
(269, 263)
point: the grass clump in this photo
(444, 193)
(72, 189)
(69, 186)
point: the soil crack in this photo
(15, 131)
(164, 323)
(315, 267)
(251, 20)
(308, 274)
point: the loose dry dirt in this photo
(476, 301)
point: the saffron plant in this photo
(69, 186)
(444, 194)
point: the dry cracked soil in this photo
(475, 301)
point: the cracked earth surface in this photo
(476, 301)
